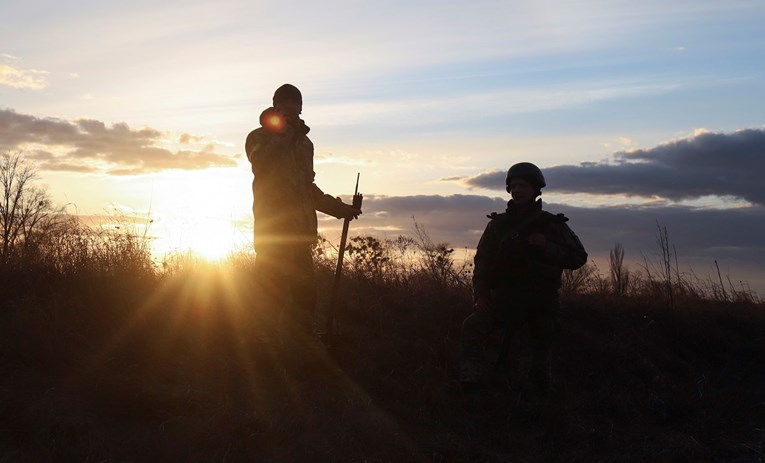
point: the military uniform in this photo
(285, 201)
(522, 282)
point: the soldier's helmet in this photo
(287, 92)
(526, 171)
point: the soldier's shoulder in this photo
(258, 136)
(256, 133)
(255, 141)
(497, 216)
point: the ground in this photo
(190, 369)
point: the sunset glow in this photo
(213, 239)
(637, 112)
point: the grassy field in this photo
(108, 359)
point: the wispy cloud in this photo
(87, 145)
(395, 35)
(15, 77)
(471, 105)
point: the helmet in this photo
(526, 171)
(287, 92)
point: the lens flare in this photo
(273, 121)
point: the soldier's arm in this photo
(327, 203)
(264, 148)
(484, 263)
(565, 249)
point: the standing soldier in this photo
(285, 201)
(518, 267)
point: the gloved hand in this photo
(349, 212)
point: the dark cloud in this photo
(452, 179)
(457, 219)
(492, 180)
(90, 145)
(733, 237)
(708, 164)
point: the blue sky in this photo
(145, 105)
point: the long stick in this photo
(339, 269)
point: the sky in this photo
(642, 115)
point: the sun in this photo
(203, 213)
(211, 239)
(215, 239)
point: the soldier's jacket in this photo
(285, 197)
(504, 259)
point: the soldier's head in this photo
(288, 100)
(524, 182)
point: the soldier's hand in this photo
(482, 304)
(349, 212)
(537, 240)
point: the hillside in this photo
(187, 367)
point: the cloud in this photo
(490, 180)
(476, 106)
(14, 77)
(187, 139)
(699, 236)
(88, 145)
(706, 164)
(461, 215)
(457, 219)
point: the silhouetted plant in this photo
(436, 259)
(324, 254)
(26, 210)
(620, 276)
(368, 257)
(579, 280)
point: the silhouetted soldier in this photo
(517, 275)
(285, 201)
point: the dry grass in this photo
(106, 358)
